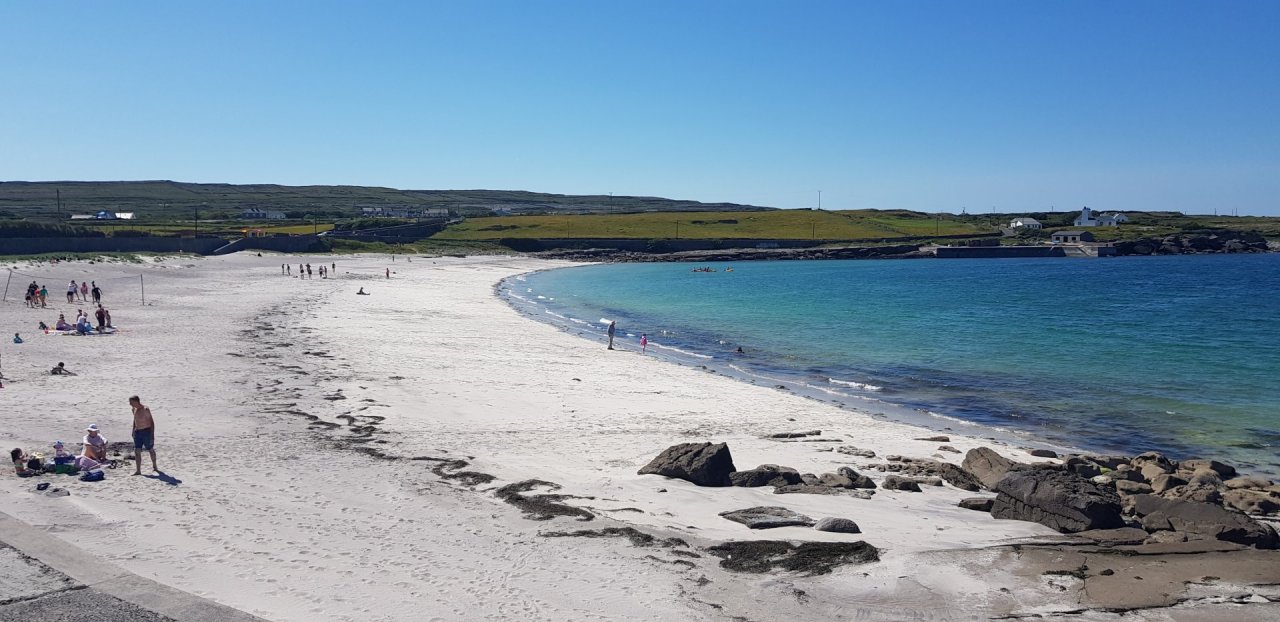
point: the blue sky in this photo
(933, 106)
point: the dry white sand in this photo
(267, 512)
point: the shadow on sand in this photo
(164, 477)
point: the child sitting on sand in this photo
(20, 459)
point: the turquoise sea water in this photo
(1176, 354)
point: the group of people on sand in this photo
(93, 452)
(83, 325)
(304, 270)
(38, 295)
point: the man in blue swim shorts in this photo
(144, 434)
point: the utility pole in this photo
(819, 200)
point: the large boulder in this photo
(1225, 471)
(859, 480)
(704, 464)
(765, 475)
(837, 525)
(768, 517)
(987, 466)
(1056, 499)
(958, 477)
(1202, 520)
(894, 482)
(1251, 501)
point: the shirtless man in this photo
(144, 434)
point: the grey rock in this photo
(1251, 501)
(854, 451)
(981, 504)
(1194, 493)
(1163, 482)
(894, 482)
(1126, 487)
(1056, 499)
(768, 517)
(1151, 470)
(1043, 453)
(1152, 457)
(1205, 477)
(765, 475)
(704, 464)
(958, 477)
(1256, 483)
(795, 434)
(835, 481)
(1202, 520)
(805, 489)
(837, 525)
(1224, 471)
(1083, 467)
(809, 479)
(859, 480)
(949, 449)
(935, 439)
(987, 466)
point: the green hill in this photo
(157, 200)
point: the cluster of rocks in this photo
(1216, 242)
(707, 464)
(1170, 500)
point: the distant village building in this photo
(1025, 223)
(1071, 237)
(1088, 219)
(262, 214)
(403, 212)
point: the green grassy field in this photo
(111, 226)
(779, 224)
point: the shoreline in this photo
(318, 439)
(754, 370)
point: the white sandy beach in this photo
(282, 517)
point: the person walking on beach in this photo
(71, 292)
(644, 342)
(144, 434)
(44, 296)
(612, 327)
(389, 271)
(97, 293)
(308, 271)
(84, 292)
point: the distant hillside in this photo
(158, 199)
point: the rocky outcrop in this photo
(858, 480)
(768, 517)
(1202, 521)
(894, 482)
(765, 475)
(1212, 241)
(981, 504)
(704, 464)
(987, 466)
(1056, 499)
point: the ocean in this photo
(1178, 354)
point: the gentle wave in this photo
(679, 351)
(855, 385)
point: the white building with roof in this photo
(1025, 222)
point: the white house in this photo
(1025, 222)
(261, 214)
(1112, 220)
(1088, 219)
(1085, 219)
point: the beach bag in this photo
(93, 476)
(35, 464)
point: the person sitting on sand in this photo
(83, 326)
(62, 324)
(43, 326)
(106, 314)
(95, 444)
(20, 459)
(60, 454)
(60, 370)
(17, 338)
(362, 292)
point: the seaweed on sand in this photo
(811, 558)
(541, 506)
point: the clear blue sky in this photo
(919, 105)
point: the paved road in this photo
(31, 590)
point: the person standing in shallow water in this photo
(644, 342)
(612, 327)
